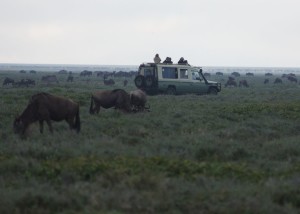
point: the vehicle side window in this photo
(183, 74)
(169, 73)
(148, 72)
(195, 76)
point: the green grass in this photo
(237, 152)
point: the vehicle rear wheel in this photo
(171, 90)
(139, 81)
(212, 91)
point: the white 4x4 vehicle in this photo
(155, 78)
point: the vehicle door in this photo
(198, 85)
(184, 82)
(150, 74)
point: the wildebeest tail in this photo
(77, 125)
(91, 106)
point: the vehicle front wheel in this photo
(212, 91)
(171, 90)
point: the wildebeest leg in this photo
(50, 126)
(41, 126)
(70, 121)
(97, 108)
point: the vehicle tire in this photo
(212, 91)
(149, 81)
(171, 90)
(139, 81)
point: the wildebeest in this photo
(49, 79)
(231, 82)
(288, 75)
(117, 98)
(243, 83)
(63, 71)
(108, 82)
(86, 73)
(46, 107)
(125, 82)
(277, 80)
(268, 74)
(25, 82)
(138, 100)
(70, 78)
(236, 74)
(292, 79)
(8, 81)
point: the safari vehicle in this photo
(156, 78)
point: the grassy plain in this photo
(237, 152)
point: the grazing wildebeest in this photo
(277, 80)
(268, 74)
(70, 78)
(86, 73)
(108, 82)
(236, 74)
(266, 81)
(63, 71)
(25, 82)
(138, 100)
(243, 83)
(117, 98)
(8, 81)
(249, 74)
(46, 107)
(231, 82)
(292, 79)
(125, 82)
(49, 79)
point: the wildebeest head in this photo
(138, 100)
(18, 126)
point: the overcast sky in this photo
(259, 33)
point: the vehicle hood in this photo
(212, 82)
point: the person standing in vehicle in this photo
(157, 59)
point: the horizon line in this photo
(69, 64)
